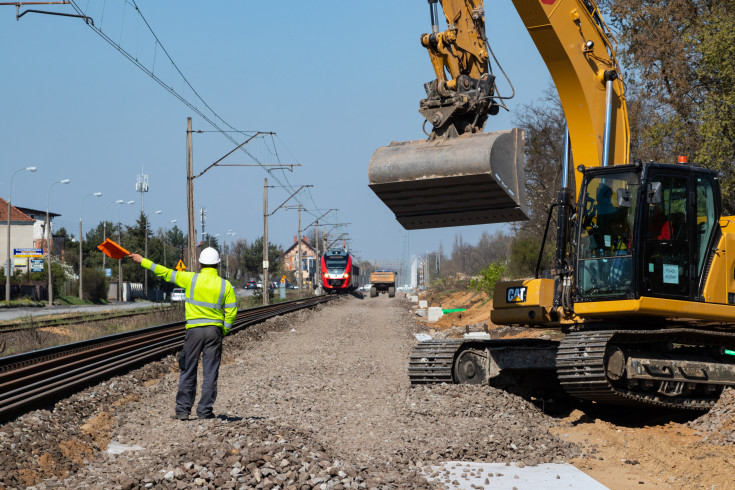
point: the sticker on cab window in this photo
(671, 274)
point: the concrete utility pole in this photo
(265, 243)
(190, 181)
(192, 246)
(299, 250)
(265, 233)
(317, 272)
(298, 207)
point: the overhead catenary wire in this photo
(215, 120)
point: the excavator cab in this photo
(646, 230)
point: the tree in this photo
(543, 123)
(253, 257)
(717, 71)
(678, 55)
(659, 49)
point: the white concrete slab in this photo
(422, 336)
(435, 313)
(473, 476)
(423, 303)
(116, 448)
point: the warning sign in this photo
(180, 266)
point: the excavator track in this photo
(431, 361)
(581, 366)
(581, 363)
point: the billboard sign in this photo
(27, 252)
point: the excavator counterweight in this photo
(466, 180)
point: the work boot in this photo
(206, 416)
(180, 416)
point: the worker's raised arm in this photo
(181, 279)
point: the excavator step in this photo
(468, 180)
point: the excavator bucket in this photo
(468, 180)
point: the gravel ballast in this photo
(314, 399)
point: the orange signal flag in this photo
(112, 249)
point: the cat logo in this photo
(516, 295)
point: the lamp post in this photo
(173, 221)
(119, 262)
(10, 268)
(81, 241)
(49, 240)
(227, 254)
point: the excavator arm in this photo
(461, 176)
(460, 98)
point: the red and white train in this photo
(339, 272)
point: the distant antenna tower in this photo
(142, 186)
(203, 219)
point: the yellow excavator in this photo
(643, 284)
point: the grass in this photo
(22, 303)
(30, 339)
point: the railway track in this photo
(34, 378)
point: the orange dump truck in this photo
(383, 282)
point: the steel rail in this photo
(34, 378)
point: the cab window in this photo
(605, 242)
(666, 243)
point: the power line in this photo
(98, 29)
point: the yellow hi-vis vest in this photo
(210, 300)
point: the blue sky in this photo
(334, 80)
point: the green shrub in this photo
(486, 279)
(94, 285)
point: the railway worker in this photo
(211, 307)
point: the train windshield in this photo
(336, 264)
(605, 266)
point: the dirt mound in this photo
(475, 317)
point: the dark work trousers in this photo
(205, 340)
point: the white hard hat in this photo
(209, 256)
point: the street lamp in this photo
(227, 255)
(81, 241)
(119, 262)
(49, 240)
(10, 268)
(173, 221)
